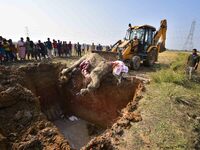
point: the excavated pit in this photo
(96, 110)
(27, 91)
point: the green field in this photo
(170, 108)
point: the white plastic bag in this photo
(73, 118)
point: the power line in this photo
(188, 45)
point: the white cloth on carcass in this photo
(63, 71)
(119, 67)
(73, 118)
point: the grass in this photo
(177, 102)
(169, 108)
(175, 73)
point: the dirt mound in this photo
(22, 125)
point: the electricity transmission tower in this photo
(188, 45)
(26, 31)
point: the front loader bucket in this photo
(109, 56)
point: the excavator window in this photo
(139, 33)
(144, 35)
(148, 37)
(128, 33)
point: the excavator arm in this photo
(160, 36)
(114, 47)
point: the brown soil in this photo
(22, 125)
(32, 96)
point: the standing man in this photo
(49, 48)
(32, 46)
(7, 50)
(88, 47)
(13, 50)
(59, 48)
(21, 49)
(70, 48)
(75, 49)
(41, 49)
(192, 62)
(79, 49)
(1, 39)
(107, 48)
(83, 48)
(55, 47)
(65, 49)
(93, 47)
(1, 51)
(37, 51)
(29, 50)
(99, 47)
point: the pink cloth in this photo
(84, 66)
(22, 49)
(119, 67)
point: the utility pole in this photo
(188, 45)
(26, 31)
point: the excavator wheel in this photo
(135, 63)
(151, 57)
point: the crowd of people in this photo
(29, 50)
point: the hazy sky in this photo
(99, 21)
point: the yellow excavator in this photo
(141, 44)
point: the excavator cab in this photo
(144, 34)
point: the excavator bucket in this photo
(110, 56)
(161, 47)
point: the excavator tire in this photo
(135, 63)
(151, 57)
